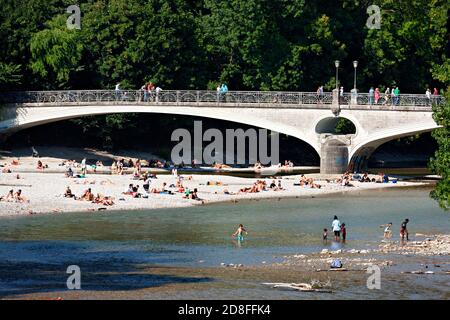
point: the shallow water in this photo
(36, 250)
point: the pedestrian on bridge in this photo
(387, 94)
(397, 96)
(320, 94)
(223, 90)
(428, 95)
(371, 96)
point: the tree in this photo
(9, 75)
(56, 53)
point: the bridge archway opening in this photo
(336, 126)
(55, 132)
(408, 154)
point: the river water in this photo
(36, 250)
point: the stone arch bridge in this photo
(306, 116)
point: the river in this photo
(112, 248)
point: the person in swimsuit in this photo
(387, 230)
(325, 235)
(404, 230)
(239, 233)
(343, 232)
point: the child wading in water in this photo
(404, 230)
(325, 235)
(239, 233)
(343, 232)
(387, 230)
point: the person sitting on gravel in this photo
(135, 193)
(106, 201)
(365, 178)
(69, 173)
(40, 165)
(87, 195)
(129, 191)
(68, 193)
(9, 196)
(19, 198)
(273, 185)
(194, 195)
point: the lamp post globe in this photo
(336, 63)
(355, 65)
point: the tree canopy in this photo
(257, 45)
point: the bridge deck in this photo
(197, 98)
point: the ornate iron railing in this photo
(201, 97)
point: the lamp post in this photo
(336, 63)
(354, 95)
(335, 108)
(355, 65)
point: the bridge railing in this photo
(197, 97)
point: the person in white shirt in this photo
(428, 94)
(117, 91)
(336, 225)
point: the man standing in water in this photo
(336, 225)
(404, 230)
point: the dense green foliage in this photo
(253, 44)
(440, 163)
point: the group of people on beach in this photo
(261, 185)
(308, 183)
(89, 196)
(12, 196)
(346, 179)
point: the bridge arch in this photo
(35, 116)
(367, 146)
(327, 124)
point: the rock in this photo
(222, 264)
(324, 251)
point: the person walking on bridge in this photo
(387, 94)
(428, 95)
(117, 90)
(397, 96)
(320, 94)
(371, 96)
(223, 90)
